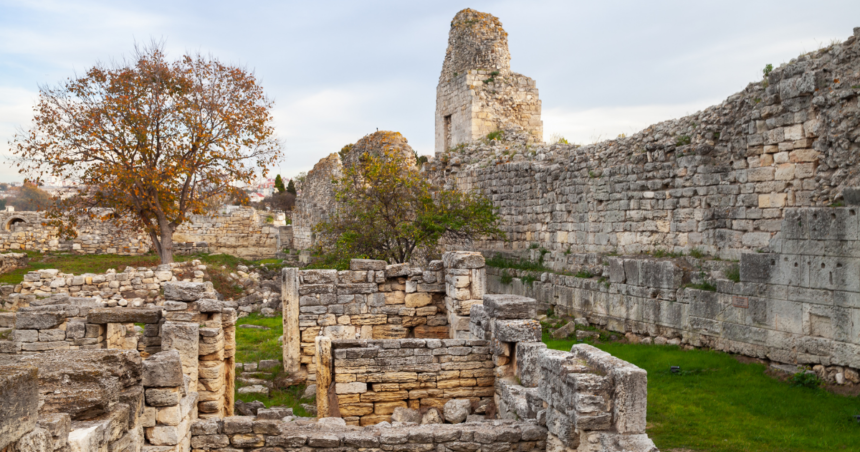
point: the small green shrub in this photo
(703, 286)
(550, 312)
(765, 72)
(806, 380)
(528, 279)
(497, 135)
(506, 278)
(534, 246)
(683, 140)
(697, 253)
(734, 273)
(583, 274)
(716, 135)
(593, 175)
(492, 77)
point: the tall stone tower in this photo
(477, 92)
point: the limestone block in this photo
(184, 338)
(417, 300)
(184, 291)
(517, 330)
(163, 397)
(456, 410)
(463, 259)
(19, 402)
(509, 307)
(366, 264)
(37, 320)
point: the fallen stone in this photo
(456, 410)
(19, 402)
(248, 408)
(255, 389)
(564, 331)
(402, 414)
(432, 416)
(582, 334)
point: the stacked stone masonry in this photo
(587, 399)
(374, 300)
(183, 358)
(264, 433)
(238, 231)
(477, 93)
(373, 378)
(799, 303)
(718, 180)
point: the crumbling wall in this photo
(587, 399)
(477, 92)
(28, 231)
(373, 378)
(718, 180)
(315, 200)
(373, 300)
(11, 261)
(238, 231)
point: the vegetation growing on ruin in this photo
(719, 404)
(683, 140)
(151, 139)
(387, 210)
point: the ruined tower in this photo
(477, 92)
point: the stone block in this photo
(184, 290)
(124, 315)
(163, 397)
(19, 402)
(463, 259)
(366, 265)
(758, 267)
(517, 330)
(509, 307)
(38, 320)
(58, 426)
(417, 300)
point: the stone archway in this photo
(13, 221)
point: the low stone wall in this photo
(588, 399)
(793, 304)
(374, 378)
(133, 287)
(249, 433)
(373, 300)
(11, 261)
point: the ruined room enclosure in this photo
(91, 381)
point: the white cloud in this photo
(597, 124)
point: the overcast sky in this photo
(338, 70)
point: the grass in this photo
(734, 273)
(720, 404)
(499, 261)
(253, 345)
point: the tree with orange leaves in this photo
(152, 140)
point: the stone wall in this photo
(477, 92)
(316, 198)
(588, 399)
(190, 321)
(265, 433)
(373, 300)
(238, 231)
(26, 231)
(798, 303)
(11, 261)
(373, 378)
(718, 180)
(133, 287)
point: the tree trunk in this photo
(166, 247)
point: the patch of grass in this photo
(718, 404)
(734, 273)
(496, 135)
(583, 274)
(703, 286)
(593, 175)
(252, 344)
(806, 380)
(499, 261)
(663, 253)
(716, 135)
(506, 278)
(528, 279)
(289, 397)
(683, 140)
(697, 253)
(837, 204)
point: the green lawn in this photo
(253, 345)
(720, 404)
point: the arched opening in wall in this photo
(14, 221)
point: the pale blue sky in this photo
(337, 70)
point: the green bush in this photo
(497, 135)
(734, 273)
(683, 140)
(506, 278)
(806, 380)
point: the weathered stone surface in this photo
(402, 414)
(163, 369)
(19, 402)
(125, 315)
(432, 416)
(98, 378)
(161, 397)
(456, 410)
(517, 330)
(510, 307)
(366, 264)
(37, 320)
(184, 291)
